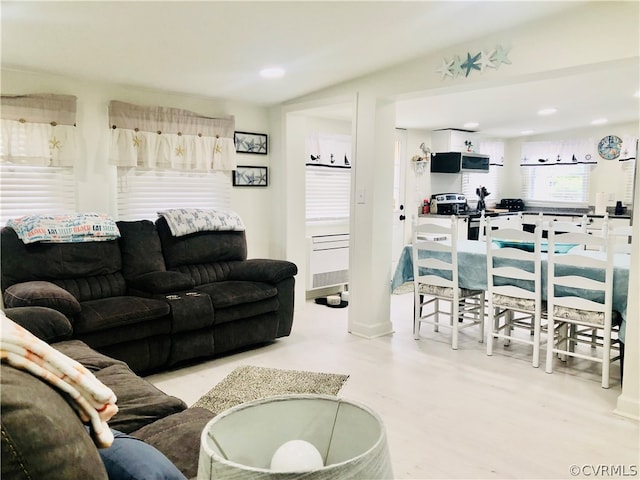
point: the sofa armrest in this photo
(42, 436)
(45, 323)
(41, 294)
(161, 282)
(263, 270)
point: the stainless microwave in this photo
(455, 162)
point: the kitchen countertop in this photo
(568, 212)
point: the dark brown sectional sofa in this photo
(43, 437)
(145, 302)
(151, 299)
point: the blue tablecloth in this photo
(472, 273)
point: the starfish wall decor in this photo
(457, 66)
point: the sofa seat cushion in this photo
(42, 436)
(233, 293)
(139, 402)
(178, 437)
(114, 312)
(246, 310)
(84, 354)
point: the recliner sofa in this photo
(152, 299)
(43, 437)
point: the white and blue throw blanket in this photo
(183, 221)
(71, 228)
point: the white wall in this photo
(96, 189)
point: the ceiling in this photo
(216, 49)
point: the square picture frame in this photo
(250, 176)
(248, 142)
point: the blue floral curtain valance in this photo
(169, 138)
(39, 129)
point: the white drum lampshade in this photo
(287, 432)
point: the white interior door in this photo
(400, 215)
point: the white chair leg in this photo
(491, 327)
(481, 313)
(606, 360)
(536, 343)
(417, 312)
(550, 344)
(455, 313)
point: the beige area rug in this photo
(248, 383)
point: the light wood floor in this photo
(450, 414)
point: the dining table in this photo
(472, 273)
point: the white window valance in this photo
(169, 138)
(580, 150)
(39, 129)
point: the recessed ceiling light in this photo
(272, 72)
(471, 125)
(599, 121)
(547, 111)
(637, 94)
(527, 132)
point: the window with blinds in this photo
(143, 193)
(629, 168)
(327, 193)
(471, 181)
(31, 190)
(556, 183)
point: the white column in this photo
(292, 200)
(371, 218)
(629, 401)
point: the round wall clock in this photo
(609, 147)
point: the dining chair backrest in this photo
(594, 272)
(622, 238)
(514, 263)
(564, 226)
(502, 221)
(435, 249)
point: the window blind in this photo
(629, 167)
(471, 181)
(327, 193)
(556, 183)
(142, 193)
(30, 190)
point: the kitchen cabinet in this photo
(454, 141)
(594, 226)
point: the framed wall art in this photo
(247, 142)
(250, 177)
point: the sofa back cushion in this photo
(140, 247)
(89, 270)
(200, 248)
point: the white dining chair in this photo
(435, 277)
(502, 221)
(514, 287)
(568, 309)
(622, 237)
(565, 226)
